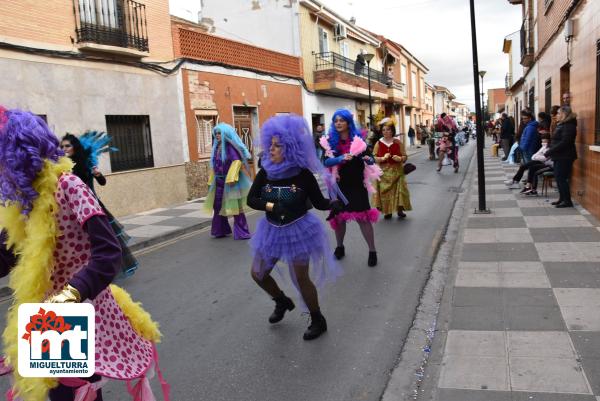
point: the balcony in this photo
(114, 26)
(397, 92)
(527, 49)
(336, 75)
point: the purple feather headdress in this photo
(25, 142)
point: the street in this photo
(218, 345)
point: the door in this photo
(565, 80)
(242, 122)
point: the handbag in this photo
(409, 168)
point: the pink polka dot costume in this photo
(121, 353)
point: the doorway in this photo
(243, 124)
(565, 80)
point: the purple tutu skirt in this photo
(303, 241)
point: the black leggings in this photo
(65, 393)
(534, 172)
(524, 167)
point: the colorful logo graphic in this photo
(56, 340)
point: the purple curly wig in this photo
(25, 142)
(298, 146)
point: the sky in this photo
(438, 33)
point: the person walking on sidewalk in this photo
(507, 135)
(58, 246)
(85, 152)
(229, 183)
(564, 154)
(411, 136)
(347, 157)
(392, 190)
(289, 232)
(529, 142)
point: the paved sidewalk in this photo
(158, 225)
(520, 318)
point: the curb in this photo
(147, 243)
(406, 378)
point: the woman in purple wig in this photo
(351, 168)
(288, 232)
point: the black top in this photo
(562, 146)
(290, 196)
(507, 131)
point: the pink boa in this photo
(371, 215)
(357, 147)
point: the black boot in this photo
(282, 304)
(372, 259)
(318, 326)
(339, 252)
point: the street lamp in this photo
(480, 137)
(482, 74)
(368, 57)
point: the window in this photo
(344, 49)
(413, 85)
(403, 74)
(131, 136)
(323, 40)
(548, 96)
(598, 92)
(204, 127)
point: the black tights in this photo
(366, 228)
(307, 288)
(65, 393)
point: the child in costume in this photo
(85, 152)
(58, 246)
(347, 157)
(289, 232)
(229, 183)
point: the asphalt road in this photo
(218, 344)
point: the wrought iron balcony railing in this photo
(329, 60)
(119, 23)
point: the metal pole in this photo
(479, 124)
(370, 108)
(482, 102)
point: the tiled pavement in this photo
(524, 318)
(154, 226)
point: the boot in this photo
(372, 259)
(318, 326)
(339, 252)
(282, 305)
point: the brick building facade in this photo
(566, 58)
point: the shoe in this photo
(563, 204)
(387, 216)
(438, 169)
(339, 252)
(508, 182)
(318, 326)
(401, 214)
(456, 169)
(372, 261)
(514, 185)
(531, 192)
(282, 305)
(556, 202)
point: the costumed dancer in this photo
(58, 246)
(229, 183)
(392, 190)
(446, 124)
(289, 232)
(85, 152)
(349, 161)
